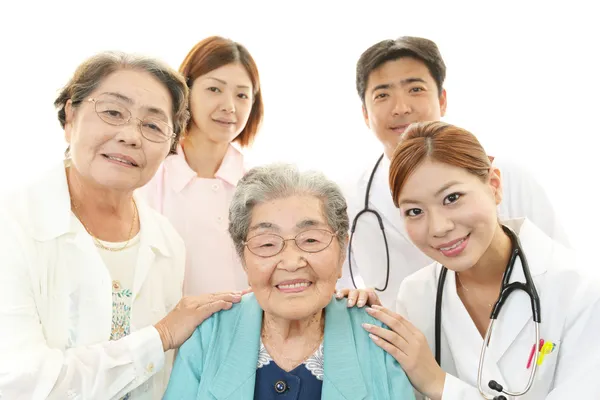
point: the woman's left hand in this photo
(409, 347)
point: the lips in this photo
(452, 244)
(121, 158)
(399, 128)
(224, 121)
(294, 284)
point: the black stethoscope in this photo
(505, 290)
(367, 210)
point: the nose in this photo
(228, 104)
(401, 106)
(130, 134)
(439, 223)
(292, 258)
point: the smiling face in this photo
(118, 157)
(293, 284)
(399, 93)
(450, 214)
(221, 102)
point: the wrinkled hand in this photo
(409, 347)
(359, 297)
(178, 325)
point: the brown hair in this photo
(418, 48)
(215, 52)
(90, 74)
(436, 141)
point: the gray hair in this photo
(276, 181)
(90, 74)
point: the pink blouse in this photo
(198, 209)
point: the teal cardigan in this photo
(219, 360)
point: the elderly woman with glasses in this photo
(90, 277)
(290, 337)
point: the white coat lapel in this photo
(464, 339)
(516, 314)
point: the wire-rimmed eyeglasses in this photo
(270, 244)
(113, 113)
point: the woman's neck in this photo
(107, 214)
(203, 155)
(281, 331)
(488, 271)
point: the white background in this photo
(523, 77)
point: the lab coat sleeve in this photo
(525, 197)
(30, 369)
(189, 364)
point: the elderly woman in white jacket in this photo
(90, 277)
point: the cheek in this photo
(416, 230)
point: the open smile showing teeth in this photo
(455, 245)
(294, 285)
(123, 161)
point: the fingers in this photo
(231, 297)
(394, 322)
(398, 317)
(209, 309)
(359, 297)
(373, 299)
(246, 291)
(389, 348)
(389, 336)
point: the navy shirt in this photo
(302, 383)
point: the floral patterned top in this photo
(121, 265)
(302, 383)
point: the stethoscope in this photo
(367, 210)
(505, 290)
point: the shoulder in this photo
(219, 328)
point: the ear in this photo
(366, 116)
(69, 117)
(495, 182)
(443, 103)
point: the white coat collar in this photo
(514, 316)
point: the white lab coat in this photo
(522, 197)
(570, 314)
(56, 303)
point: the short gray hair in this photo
(90, 74)
(276, 181)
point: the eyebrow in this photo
(225, 83)
(403, 82)
(437, 193)
(306, 223)
(150, 109)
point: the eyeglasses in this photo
(113, 113)
(269, 244)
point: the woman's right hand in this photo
(359, 297)
(178, 325)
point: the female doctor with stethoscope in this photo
(447, 193)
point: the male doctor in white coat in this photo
(400, 82)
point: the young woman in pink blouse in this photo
(194, 186)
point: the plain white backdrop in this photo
(522, 77)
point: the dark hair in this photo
(437, 141)
(418, 48)
(90, 74)
(215, 52)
